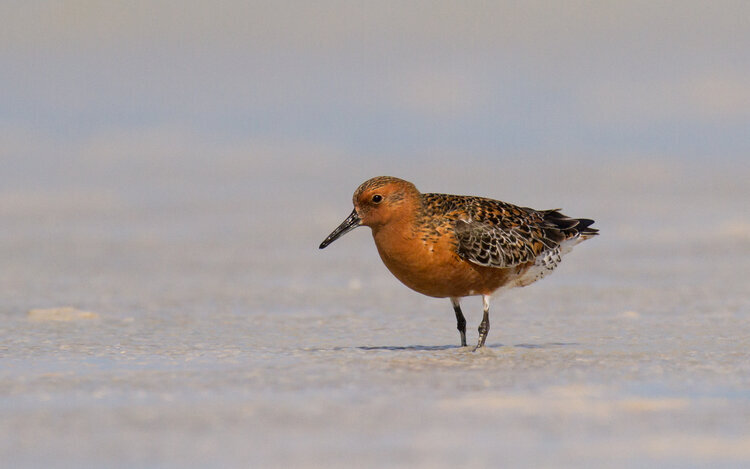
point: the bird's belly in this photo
(438, 271)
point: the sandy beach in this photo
(200, 335)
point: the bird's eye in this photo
(377, 198)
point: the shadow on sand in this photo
(448, 347)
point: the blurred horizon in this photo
(234, 112)
(283, 82)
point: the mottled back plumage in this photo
(492, 233)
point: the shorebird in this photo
(454, 246)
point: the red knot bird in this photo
(453, 246)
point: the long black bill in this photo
(351, 222)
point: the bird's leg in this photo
(460, 320)
(484, 326)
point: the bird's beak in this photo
(351, 222)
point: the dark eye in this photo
(377, 198)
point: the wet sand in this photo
(218, 335)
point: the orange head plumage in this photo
(377, 202)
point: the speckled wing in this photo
(492, 233)
(497, 234)
(493, 246)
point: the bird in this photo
(456, 246)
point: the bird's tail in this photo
(570, 227)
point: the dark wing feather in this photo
(498, 234)
(495, 246)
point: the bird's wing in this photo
(493, 246)
(497, 234)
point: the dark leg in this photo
(484, 326)
(460, 321)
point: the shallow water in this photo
(224, 337)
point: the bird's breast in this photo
(430, 264)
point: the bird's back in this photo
(493, 233)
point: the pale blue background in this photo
(362, 80)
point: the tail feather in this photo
(570, 227)
(584, 228)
